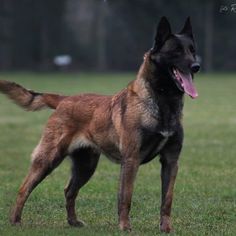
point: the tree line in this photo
(109, 35)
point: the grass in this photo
(205, 194)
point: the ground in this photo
(205, 193)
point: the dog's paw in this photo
(16, 221)
(76, 223)
(165, 225)
(166, 228)
(125, 227)
(15, 218)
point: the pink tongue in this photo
(187, 84)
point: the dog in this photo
(131, 127)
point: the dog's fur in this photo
(130, 128)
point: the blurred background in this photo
(108, 35)
(39, 39)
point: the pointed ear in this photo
(162, 33)
(187, 29)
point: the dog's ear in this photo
(162, 33)
(187, 29)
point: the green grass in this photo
(205, 194)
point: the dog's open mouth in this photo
(185, 83)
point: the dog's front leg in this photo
(129, 168)
(169, 169)
(168, 176)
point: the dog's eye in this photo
(192, 49)
(178, 49)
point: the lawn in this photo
(205, 193)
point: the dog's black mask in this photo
(175, 53)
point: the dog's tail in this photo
(28, 99)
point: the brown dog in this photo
(130, 128)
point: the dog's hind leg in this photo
(46, 157)
(84, 163)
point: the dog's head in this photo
(175, 53)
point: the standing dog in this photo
(130, 128)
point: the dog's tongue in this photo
(187, 84)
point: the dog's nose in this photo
(195, 67)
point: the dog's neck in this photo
(151, 84)
(156, 79)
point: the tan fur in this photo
(83, 126)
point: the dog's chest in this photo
(153, 143)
